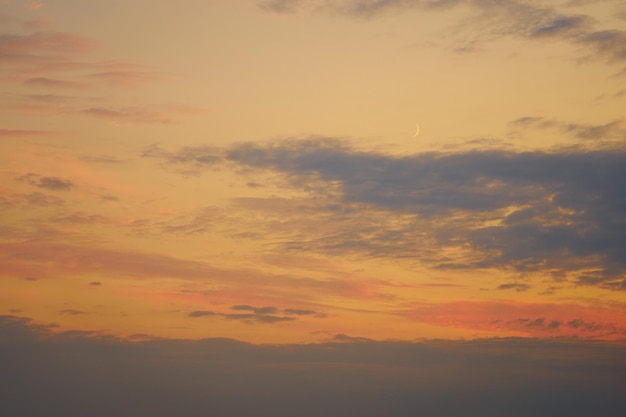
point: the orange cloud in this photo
(25, 133)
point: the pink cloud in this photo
(53, 83)
(44, 42)
(25, 133)
(526, 319)
(126, 79)
(132, 115)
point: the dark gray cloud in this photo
(514, 286)
(549, 211)
(201, 313)
(256, 310)
(266, 314)
(78, 373)
(299, 312)
(261, 318)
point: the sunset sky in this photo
(249, 170)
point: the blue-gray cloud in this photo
(550, 211)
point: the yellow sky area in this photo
(123, 211)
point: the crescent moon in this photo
(417, 130)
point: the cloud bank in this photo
(81, 373)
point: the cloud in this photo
(59, 60)
(72, 312)
(124, 79)
(525, 318)
(190, 159)
(38, 199)
(103, 159)
(281, 6)
(19, 133)
(43, 44)
(81, 218)
(50, 183)
(74, 373)
(532, 211)
(95, 283)
(33, 251)
(129, 115)
(53, 83)
(600, 132)
(266, 314)
(610, 43)
(514, 285)
(201, 313)
(523, 19)
(256, 310)
(299, 312)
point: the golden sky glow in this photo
(248, 169)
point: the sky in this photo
(356, 205)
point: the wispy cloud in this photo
(53, 83)
(613, 130)
(129, 115)
(518, 18)
(18, 133)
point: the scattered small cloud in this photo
(514, 286)
(38, 199)
(103, 159)
(188, 160)
(50, 183)
(72, 312)
(201, 313)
